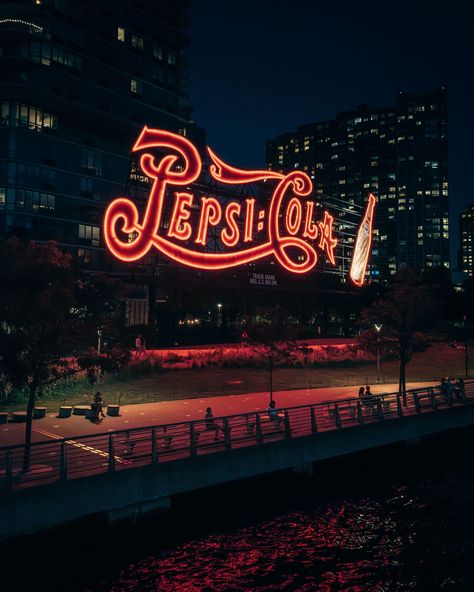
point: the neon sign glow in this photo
(285, 229)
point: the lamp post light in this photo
(378, 329)
(99, 340)
(219, 315)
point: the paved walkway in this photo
(148, 414)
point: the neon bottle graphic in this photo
(361, 252)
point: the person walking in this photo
(138, 345)
(99, 403)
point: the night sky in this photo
(261, 68)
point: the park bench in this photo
(265, 420)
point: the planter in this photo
(39, 412)
(81, 409)
(19, 416)
(3, 417)
(65, 411)
(113, 410)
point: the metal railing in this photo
(64, 459)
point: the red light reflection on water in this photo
(351, 548)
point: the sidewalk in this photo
(147, 414)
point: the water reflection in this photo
(387, 544)
(392, 521)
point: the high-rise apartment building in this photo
(398, 153)
(78, 80)
(466, 241)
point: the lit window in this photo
(136, 86)
(85, 255)
(120, 33)
(87, 232)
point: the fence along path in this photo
(64, 459)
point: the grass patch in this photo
(161, 384)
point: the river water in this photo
(395, 520)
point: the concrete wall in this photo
(132, 492)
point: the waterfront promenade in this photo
(126, 469)
(166, 412)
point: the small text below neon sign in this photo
(289, 228)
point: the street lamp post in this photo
(219, 315)
(378, 329)
(466, 356)
(99, 347)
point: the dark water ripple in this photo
(412, 536)
(397, 520)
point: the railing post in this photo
(111, 453)
(63, 462)
(8, 470)
(399, 406)
(258, 428)
(380, 409)
(227, 440)
(154, 448)
(287, 425)
(337, 415)
(360, 416)
(192, 439)
(314, 425)
(432, 398)
(416, 402)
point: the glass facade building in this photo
(78, 80)
(398, 153)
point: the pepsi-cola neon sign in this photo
(287, 229)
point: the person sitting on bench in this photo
(211, 424)
(368, 401)
(273, 413)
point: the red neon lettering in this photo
(284, 235)
(310, 228)
(230, 236)
(327, 242)
(249, 216)
(211, 213)
(179, 228)
(294, 213)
